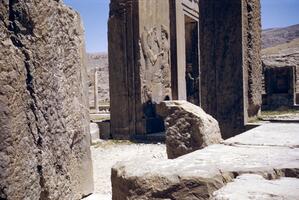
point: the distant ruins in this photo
(206, 52)
(281, 81)
(280, 86)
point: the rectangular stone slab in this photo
(269, 134)
(197, 175)
(255, 187)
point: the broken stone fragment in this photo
(188, 128)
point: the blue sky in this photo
(275, 13)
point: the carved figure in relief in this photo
(155, 48)
(164, 53)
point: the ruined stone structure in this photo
(230, 62)
(139, 65)
(286, 59)
(184, 17)
(213, 62)
(44, 121)
(280, 85)
(96, 94)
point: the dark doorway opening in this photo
(192, 60)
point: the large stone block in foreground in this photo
(188, 128)
(255, 187)
(199, 174)
(44, 122)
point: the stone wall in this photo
(44, 140)
(230, 65)
(280, 86)
(139, 65)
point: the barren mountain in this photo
(276, 36)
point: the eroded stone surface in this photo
(251, 187)
(94, 132)
(188, 128)
(197, 175)
(44, 123)
(269, 134)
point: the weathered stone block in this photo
(188, 128)
(94, 132)
(250, 186)
(199, 174)
(44, 121)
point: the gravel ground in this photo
(294, 115)
(107, 153)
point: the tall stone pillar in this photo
(44, 119)
(252, 56)
(139, 65)
(230, 61)
(96, 94)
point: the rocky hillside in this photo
(276, 36)
(98, 61)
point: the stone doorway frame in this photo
(180, 9)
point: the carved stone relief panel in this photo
(155, 64)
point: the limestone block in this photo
(199, 174)
(44, 121)
(255, 187)
(188, 128)
(94, 132)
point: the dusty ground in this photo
(106, 154)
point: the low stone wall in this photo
(270, 150)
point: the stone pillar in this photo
(252, 56)
(230, 61)
(96, 94)
(139, 65)
(44, 119)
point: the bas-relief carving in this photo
(155, 67)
